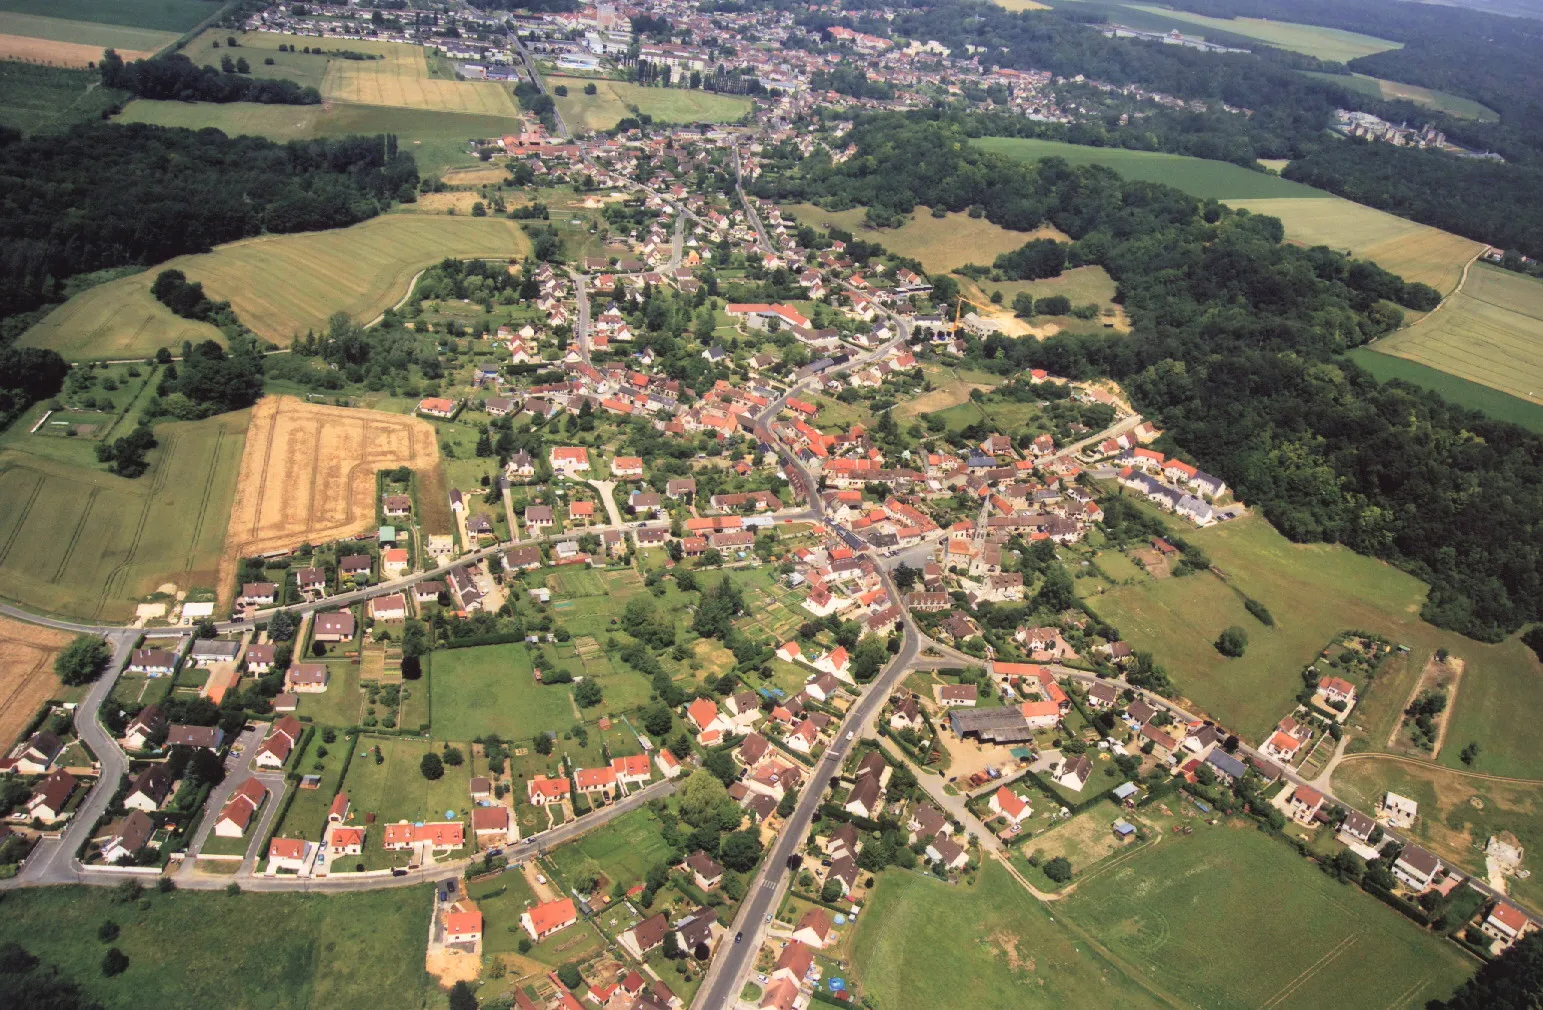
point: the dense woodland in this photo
(104, 195)
(174, 77)
(1237, 352)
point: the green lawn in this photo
(1196, 176)
(341, 704)
(307, 813)
(356, 949)
(396, 790)
(922, 944)
(1230, 917)
(490, 689)
(622, 850)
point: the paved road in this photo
(581, 324)
(607, 489)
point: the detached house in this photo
(1416, 868)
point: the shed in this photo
(1124, 829)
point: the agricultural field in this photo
(280, 285)
(173, 16)
(490, 689)
(83, 542)
(401, 80)
(1459, 810)
(34, 97)
(308, 475)
(382, 933)
(922, 943)
(1415, 252)
(27, 676)
(1230, 917)
(436, 139)
(62, 42)
(1198, 177)
(1498, 405)
(1021, 5)
(1440, 101)
(1499, 700)
(1490, 332)
(1330, 44)
(940, 244)
(614, 101)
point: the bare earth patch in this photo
(308, 475)
(55, 54)
(452, 966)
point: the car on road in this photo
(739, 936)
(849, 734)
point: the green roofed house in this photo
(388, 534)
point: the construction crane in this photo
(959, 305)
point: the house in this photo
(1400, 811)
(789, 652)
(395, 506)
(822, 688)
(547, 918)
(707, 873)
(696, 930)
(1006, 803)
(276, 746)
(866, 797)
(1304, 804)
(646, 935)
(153, 663)
(627, 466)
(258, 594)
(1102, 696)
(144, 727)
(335, 626)
(907, 715)
(127, 837)
(668, 764)
(1282, 747)
(207, 651)
(344, 841)
(38, 754)
(1074, 773)
(490, 824)
(1506, 923)
(437, 836)
(680, 487)
(462, 922)
(394, 562)
(795, 962)
(1358, 826)
(948, 853)
(1225, 765)
(843, 870)
(389, 608)
(436, 406)
(289, 855)
(591, 781)
(338, 812)
(306, 678)
(703, 713)
(236, 816)
(926, 823)
(956, 695)
(1416, 868)
(149, 789)
(538, 518)
(207, 737)
(842, 842)
(835, 662)
(568, 459)
(540, 790)
(259, 658)
(1337, 690)
(51, 796)
(813, 930)
(781, 994)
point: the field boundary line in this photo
(80, 525)
(203, 503)
(21, 520)
(1311, 971)
(1437, 766)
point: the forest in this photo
(105, 195)
(1237, 351)
(174, 77)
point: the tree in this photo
(568, 974)
(1513, 981)
(869, 659)
(82, 661)
(453, 757)
(905, 577)
(721, 765)
(542, 743)
(114, 962)
(1058, 869)
(831, 892)
(657, 719)
(588, 694)
(1232, 642)
(701, 796)
(108, 931)
(1470, 754)
(740, 850)
(282, 626)
(462, 997)
(432, 767)
(590, 89)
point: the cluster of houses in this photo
(1173, 484)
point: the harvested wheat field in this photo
(401, 80)
(26, 673)
(308, 475)
(54, 54)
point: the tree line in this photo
(1237, 350)
(174, 77)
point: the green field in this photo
(1499, 700)
(1231, 917)
(489, 689)
(279, 285)
(341, 704)
(940, 243)
(1376, 87)
(1500, 406)
(1330, 44)
(1458, 811)
(34, 98)
(1199, 177)
(1490, 332)
(175, 16)
(98, 36)
(623, 851)
(436, 139)
(80, 541)
(363, 948)
(616, 100)
(921, 943)
(1083, 285)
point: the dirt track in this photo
(308, 475)
(26, 673)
